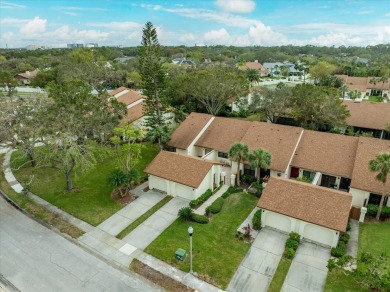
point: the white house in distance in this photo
(317, 214)
(337, 166)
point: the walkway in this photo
(119, 253)
(353, 243)
(259, 265)
(308, 269)
(202, 209)
(128, 214)
(152, 227)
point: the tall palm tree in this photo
(260, 159)
(238, 152)
(252, 75)
(382, 164)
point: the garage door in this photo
(157, 183)
(278, 221)
(318, 233)
(184, 191)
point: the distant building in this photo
(74, 46)
(91, 45)
(368, 86)
(35, 47)
(275, 69)
(182, 61)
(123, 59)
(363, 61)
(255, 66)
(25, 78)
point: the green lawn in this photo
(374, 99)
(216, 252)
(373, 238)
(280, 275)
(91, 200)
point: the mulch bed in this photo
(124, 199)
(373, 219)
(160, 279)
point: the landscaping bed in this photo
(156, 277)
(216, 252)
(91, 200)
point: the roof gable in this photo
(362, 177)
(326, 152)
(116, 91)
(322, 206)
(180, 168)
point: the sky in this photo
(55, 23)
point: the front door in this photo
(294, 172)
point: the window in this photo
(223, 155)
(309, 174)
(248, 170)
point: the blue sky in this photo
(202, 22)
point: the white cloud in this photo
(187, 38)
(75, 8)
(127, 25)
(207, 15)
(13, 21)
(34, 26)
(66, 33)
(217, 36)
(363, 12)
(237, 6)
(72, 13)
(9, 5)
(261, 34)
(336, 39)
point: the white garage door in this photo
(278, 221)
(184, 191)
(157, 183)
(318, 233)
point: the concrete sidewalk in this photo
(202, 209)
(149, 230)
(128, 214)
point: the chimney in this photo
(256, 61)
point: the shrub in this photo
(258, 187)
(216, 206)
(248, 178)
(295, 236)
(366, 257)
(348, 226)
(185, 213)
(331, 264)
(199, 218)
(289, 253)
(256, 220)
(231, 190)
(338, 251)
(373, 209)
(291, 244)
(203, 198)
(303, 179)
(345, 238)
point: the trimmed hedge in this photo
(203, 198)
(216, 206)
(199, 218)
(373, 209)
(291, 245)
(345, 238)
(256, 220)
(231, 190)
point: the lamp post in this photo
(190, 231)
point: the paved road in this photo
(33, 258)
(308, 269)
(259, 265)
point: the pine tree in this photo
(153, 79)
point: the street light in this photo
(190, 231)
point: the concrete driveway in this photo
(259, 265)
(308, 270)
(149, 230)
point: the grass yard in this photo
(374, 99)
(374, 238)
(280, 275)
(216, 252)
(91, 199)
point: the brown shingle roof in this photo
(322, 206)
(371, 115)
(223, 133)
(364, 83)
(180, 168)
(279, 140)
(326, 152)
(130, 97)
(188, 130)
(116, 91)
(362, 177)
(134, 113)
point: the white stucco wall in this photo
(274, 173)
(182, 151)
(191, 150)
(358, 197)
(310, 231)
